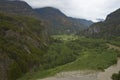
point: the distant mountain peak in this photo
(50, 10)
(59, 23)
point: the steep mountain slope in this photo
(16, 7)
(109, 28)
(58, 22)
(22, 40)
(86, 23)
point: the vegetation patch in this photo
(75, 54)
(116, 76)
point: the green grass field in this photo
(65, 37)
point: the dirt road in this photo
(75, 75)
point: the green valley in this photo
(75, 54)
(43, 41)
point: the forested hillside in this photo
(22, 44)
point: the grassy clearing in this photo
(93, 60)
(65, 37)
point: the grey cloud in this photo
(88, 9)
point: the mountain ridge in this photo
(106, 29)
(16, 7)
(83, 21)
(53, 19)
(60, 23)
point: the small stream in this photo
(106, 75)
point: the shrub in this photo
(14, 71)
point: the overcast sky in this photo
(87, 9)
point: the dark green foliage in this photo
(115, 41)
(59, 54)
(116, 76)
(79, 54)
(14, 71)
(21, 39)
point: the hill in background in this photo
(59, 23)
(108, 28)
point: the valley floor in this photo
(85, 59)
(89, 75)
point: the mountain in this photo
(16, 7)
(54, 20)
(85, 22)
(22, 44)
(59, 23)
(23, 36)
(22, 39)
(108, 28)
